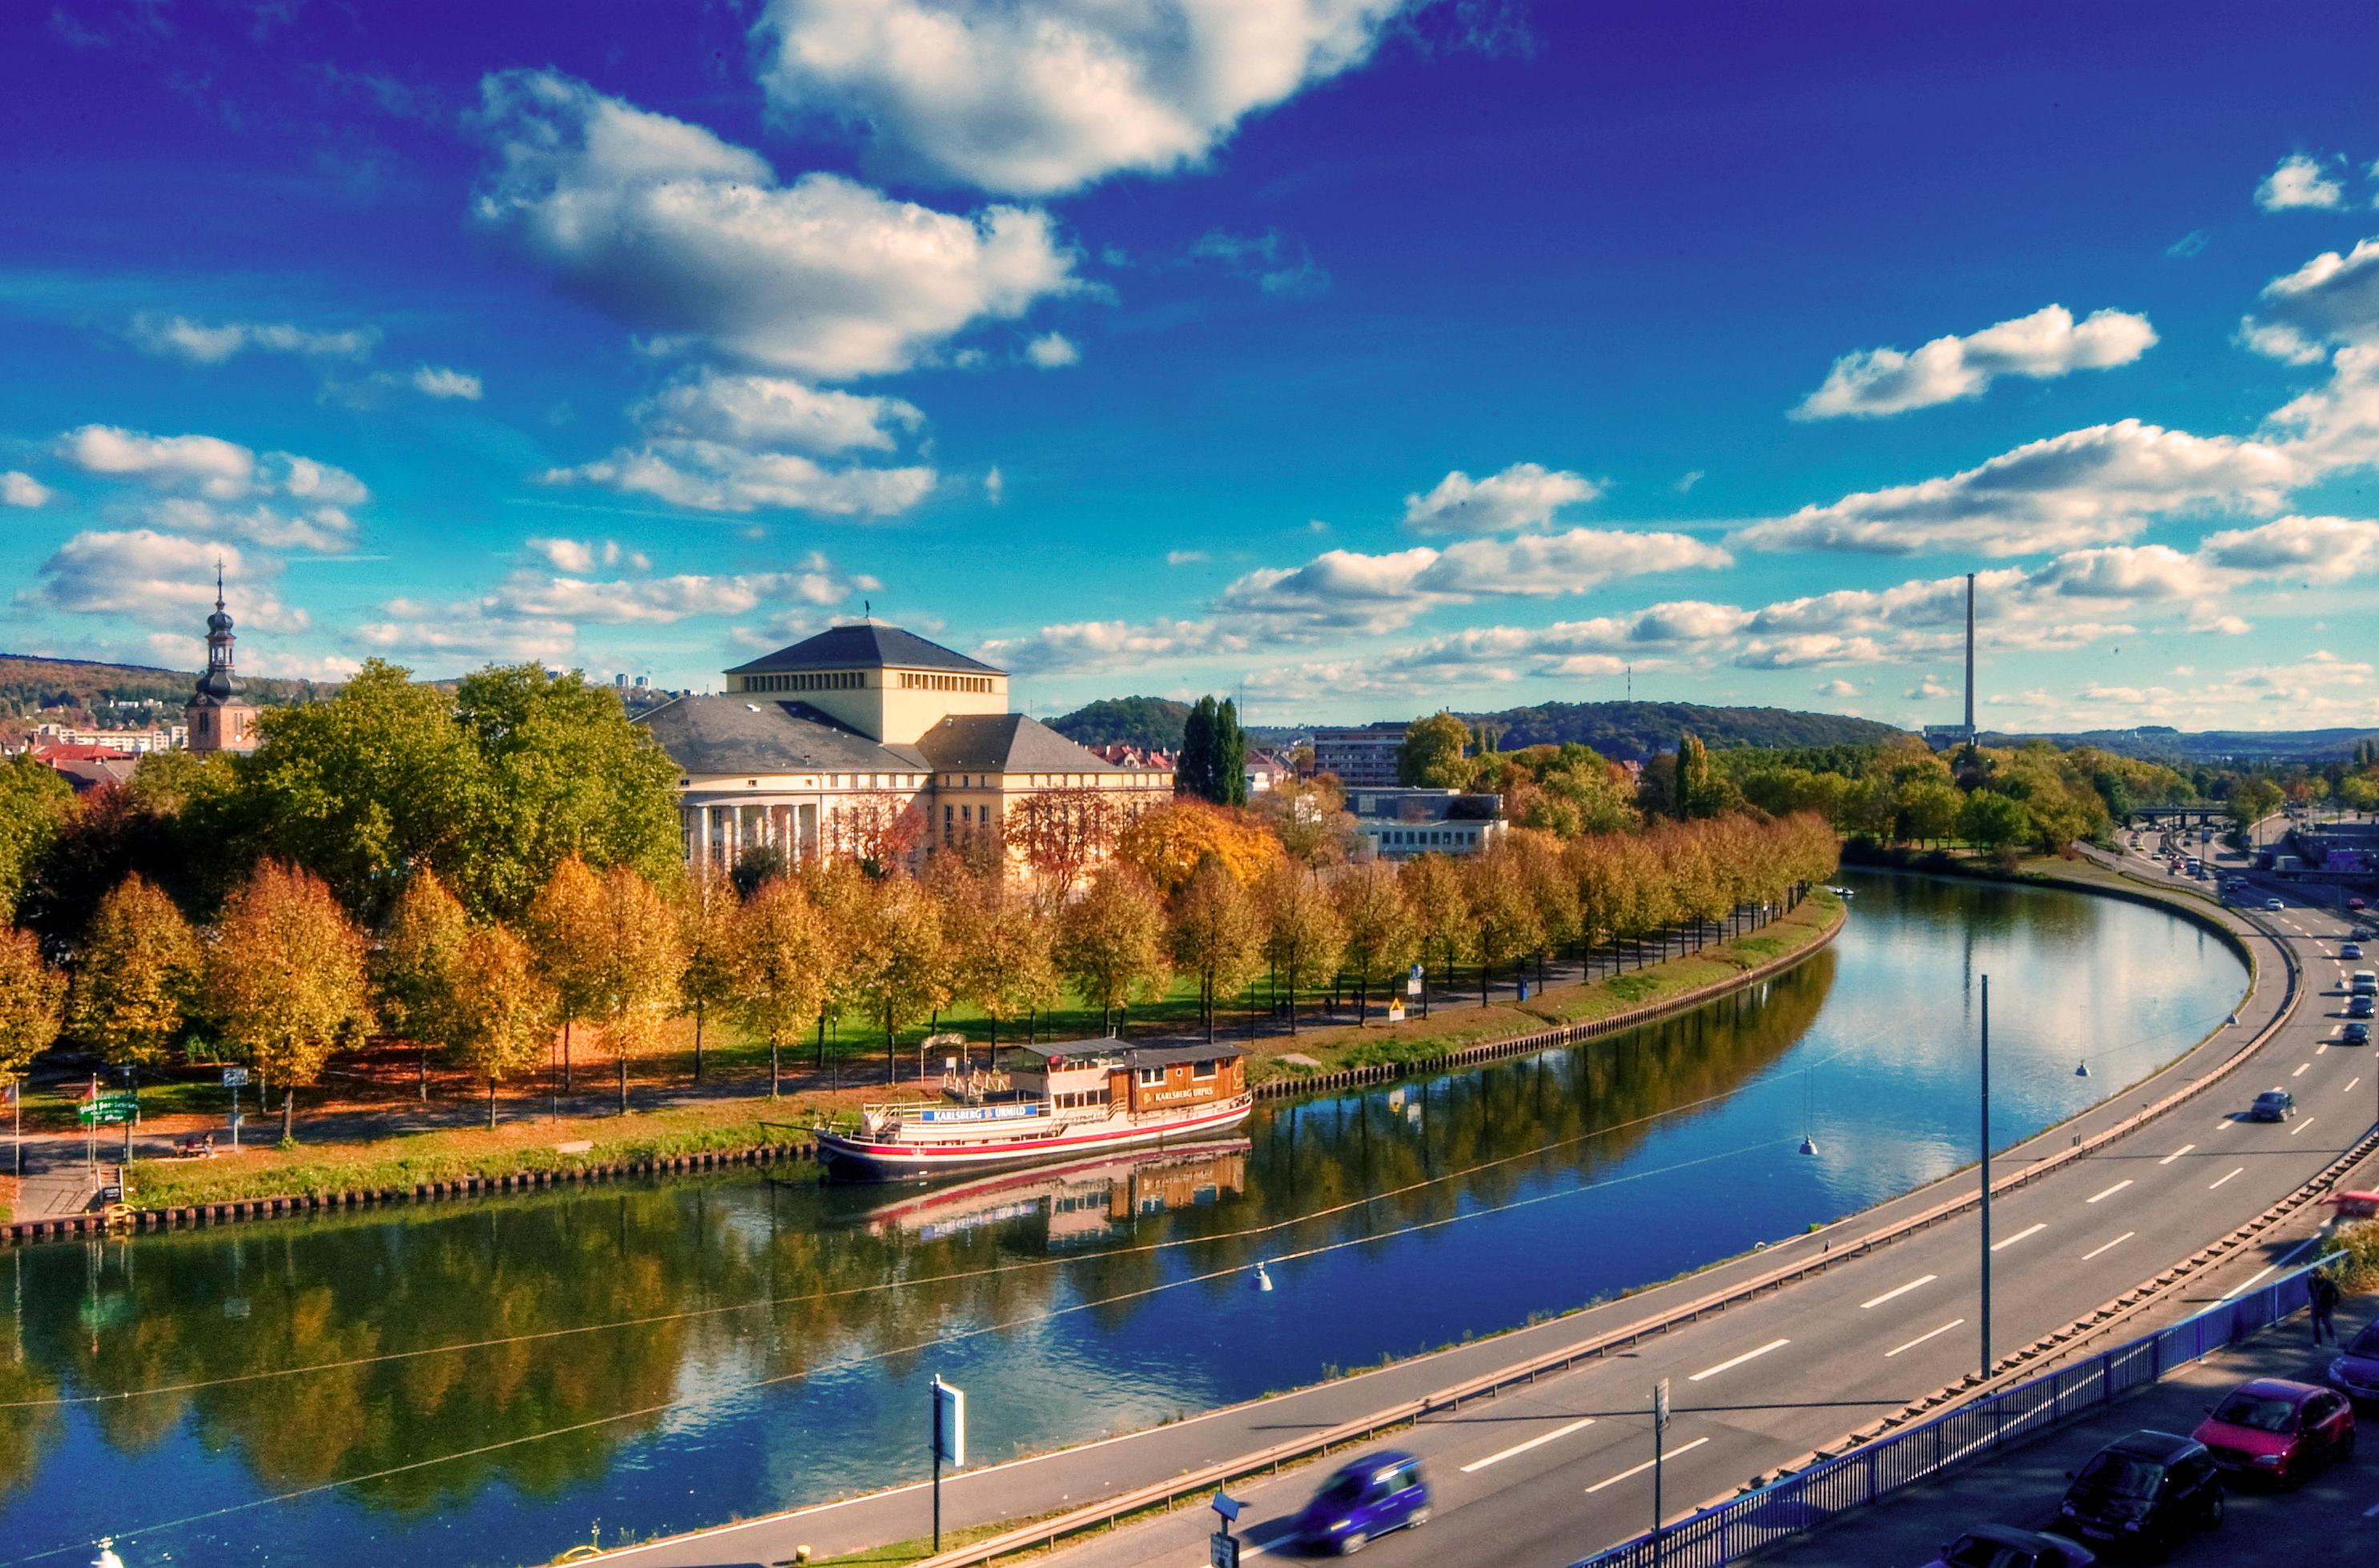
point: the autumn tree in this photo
(1216, 937)
(415, 966)
(1434, 890)
(999, 947)
(1168, 842)
(134, 976)
(1381, 935)
(898, 962)
(705, 904)
(1303, 935)
(1310, 818)
(781, 952)
(1502, 917)
(500, 1008)
(567, 927)
(284, 978)
(1111, 942)
(641, 965)
(1061, 834)
(32, 997)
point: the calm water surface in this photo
(785, 1331)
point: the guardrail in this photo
(1742, 1526)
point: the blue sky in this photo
(1364, 356)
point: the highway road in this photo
(1542, 1476)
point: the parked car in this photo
(2273, 904)
(2356, 1034)
(2355, 1373)
(2273, 1105)
(2147, 1492)
(1363, 1501)
(2272, 1429)
(2002, 1545)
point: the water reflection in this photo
(768, 1335)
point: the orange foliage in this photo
(1167, 841)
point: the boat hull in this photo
(861, 1158)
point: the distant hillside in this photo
(1625, 731)
(1126, 721)
(34, 687)
(2157, 742)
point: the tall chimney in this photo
(1969, 655)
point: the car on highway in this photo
(2276, 1430)
(2355, 1373)
(2273, 1105)
(2361, 1006)
(2356, 1034)
(2351, 951)
(2146, 1491)
(2273, 904)
(2003, 1546)
(2355, 903)
(1362, 1501)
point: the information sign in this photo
(234, 1078)
(1222, 1550)
(950, 1424)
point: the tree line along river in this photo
(483, 1383)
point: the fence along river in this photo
(487, 1382)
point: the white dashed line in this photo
(1901, 1290)
(2349, 1085)
(2111, 1191)
(1747, 1356)
(2011, 1241)
(1639, 1469)
(1920, 1339)
(2300, 1126)
(2176, 1154)
(2110, 1246)
(1538, 1442)
(2240, 1171)
(2300, 1071)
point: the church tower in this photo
(220, 718)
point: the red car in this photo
(2278, 1430)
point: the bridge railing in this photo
(1742, 1526)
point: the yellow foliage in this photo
(1167, 843)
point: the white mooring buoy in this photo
(1808, 1146)
(2082, 1070)
(1263, 1280)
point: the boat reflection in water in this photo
(1083, 1201)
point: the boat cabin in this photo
(1107, 1076)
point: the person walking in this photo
(2322, 1292)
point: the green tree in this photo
(32, 1001)
(1194, 769)
(1381, 936)
(1111, 941)
(34, 804)
(1994, 823)
(783, 949)
(415, 966)
(1694, 789)
(1432, 756)
(134, 977)
(1929, 810)
(284, 977)
(1230, 777)
(503, 1009)
(1215, 936)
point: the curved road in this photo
(1543, 1476)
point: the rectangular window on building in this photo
(1201, 1070)
(1152, 1078)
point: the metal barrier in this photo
(1742, 1526)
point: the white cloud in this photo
(326, 530)
(2277, 340)
(1809, 650)
(774, 412)
(432, 381)
(663, 602)
(2336, 547)
(1040, 96)
(1053, 351)
(2094, 486)
(1837, 687)
(1928, 690)
(1087, 645)
(159, 580)
(576, 556)
(22, 490)
(995, 488)
(448, 635)
(2298, 181)
(678, 234)
(1186, 557)
(217, 469)
(711, 476)
(2045, 344)
(1526, 495)
(178, 337)
(2331, 296)
(1687, 481)
(1271, 263)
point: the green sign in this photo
(109, 1109)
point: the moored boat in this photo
(1052, 1102)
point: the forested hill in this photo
(31, 686)
(1640, 729)
(1126, 721)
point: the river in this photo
(488, 1383)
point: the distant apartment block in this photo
(1396, 824)
(1361, 758)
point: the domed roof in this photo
(219, 622)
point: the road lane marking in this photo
(2300, 1126)
(1637, 1470)
(1902, 1290)
(1538, 1442)
(2300, 1070)
(2280, 1262)
(2011, 1241)
(1747, 1356)
(2349, 1085)
(2112, 1190)
(2240, 1171)
(1920, 1339)
(2176, 1154)
(2110, 1246)
(2224, 1125)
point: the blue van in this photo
(1364, 1500)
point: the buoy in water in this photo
(1808, 1146)
(1263, 1280)
(2082, 1070)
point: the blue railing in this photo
(1742, 1526)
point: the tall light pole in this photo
(1987, 1176)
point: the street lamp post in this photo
(1987, 1176)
